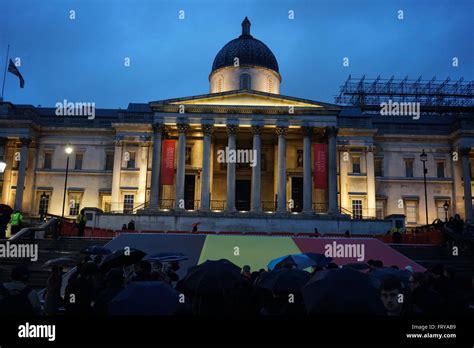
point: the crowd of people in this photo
(90, 289)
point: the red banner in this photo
(320, 172)
(167, 162)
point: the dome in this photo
(250, 51)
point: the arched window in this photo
(270, 85)
(245, 81)
(219, 83)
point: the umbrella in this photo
(380, 274)
(359, 266)
(121, 258)
(320, 259)
(284, 280)
(166, 257)
(145, 298)
(341, 292)
(96, 250)
(61, 261)
(6, 209)
(300, 261)
(212, 276)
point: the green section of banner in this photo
(254, 251)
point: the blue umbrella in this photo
(145, 298)
(96, 250)
(320, 259)
(301, 261)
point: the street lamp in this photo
(3, 165)
(68, 150)
(446, 207)
(424, 158)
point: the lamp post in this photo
(68, 151)
(446, 208)
(424, 158)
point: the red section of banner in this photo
(167, 162)
(320, 172)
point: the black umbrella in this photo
(380, 274)
(61, 261)
(212, 276)
(358, 266)
(320, 259)
(284, 280)
(96, 250)
(341, 292)
(122, 257)
(6, 209)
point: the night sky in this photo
(83, 59)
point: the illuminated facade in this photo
(373, 162)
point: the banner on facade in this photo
(167, 162)
(320, 171)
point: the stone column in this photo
(307, 179)
(332, 170)
(206, 168)
(143, 170)
(466, 173)
(20, 184)
(116, 175)
(156, 166)
(230, 199)
(3, 157)
(257, 169)
(281, 203)
(181, 166)
(371, 205)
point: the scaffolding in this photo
(433, 95)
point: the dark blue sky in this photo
(82, 59)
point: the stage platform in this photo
(256, 251)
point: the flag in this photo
(13, 69)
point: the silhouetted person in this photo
(131, 225)
(52, 299)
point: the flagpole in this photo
(5, 73)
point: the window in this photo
(357, 208)
(270, 85)
(109, 161)
(128, 204)
(106, 204)
(74, 203)
(411, 212)
(131, 160)
(356, 164)
(378, 164)
(440, 169)
(43, 203)
(78, 161)
(48, 158)
(441, 214)
(245, 81)
(409, 168)
(220, 83)
(380, 209)
(16, 160)
(299, 158)
(188, 155)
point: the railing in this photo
(50, 229)
(268, 205)
(217, 205)
(320, 207)
(365, 214)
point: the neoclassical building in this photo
(313, 158)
